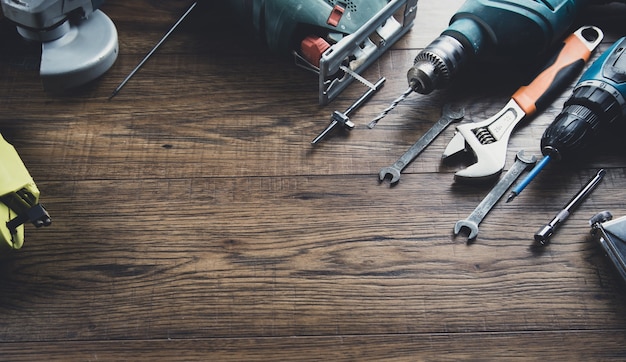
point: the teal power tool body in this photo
(598, 100)
(494, 30)
(337, 39)
(491, 31)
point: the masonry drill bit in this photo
(391, 107)
(132, 73)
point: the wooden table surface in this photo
(193, 220)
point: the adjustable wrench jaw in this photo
(487, 141)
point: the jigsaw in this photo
(78, 42)
(337, 39)
(19, 198)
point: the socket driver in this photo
(449, 115)
(479, 213)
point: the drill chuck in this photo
(598, 100)
(588, 110)
(437, 64)
(487, 30)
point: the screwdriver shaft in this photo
(543, 235)
(145, 58)
(531, 175)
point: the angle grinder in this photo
(78, 42)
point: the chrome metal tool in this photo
(488, 140)
(479, 213)
(339, 118)
(390, 108)
(542, 237)
(154, 49)
(449, 115)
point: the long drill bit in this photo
(132, 73)
(391, 107)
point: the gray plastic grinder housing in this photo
(79, 42)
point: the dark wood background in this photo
(193, 220)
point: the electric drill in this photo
(492, 30)
(489, 30)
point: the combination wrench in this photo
(448, 116)
(479, 213)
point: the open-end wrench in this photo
(488, 140)
(479, 213)
(449, 115)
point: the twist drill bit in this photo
(391, 107)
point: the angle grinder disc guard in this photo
(83, 54)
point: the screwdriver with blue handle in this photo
(598, 100)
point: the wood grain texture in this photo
(192, 219)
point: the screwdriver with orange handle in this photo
(488, 140)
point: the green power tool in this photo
(337, 39)
(19, 198)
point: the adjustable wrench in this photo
(488, 140)
(479, 213)
(448, 116)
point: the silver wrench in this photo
(479, 213)
(488, 140)
(448, 116)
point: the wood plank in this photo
(598, 345)
(232, 257)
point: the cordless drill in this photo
(597, 100)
